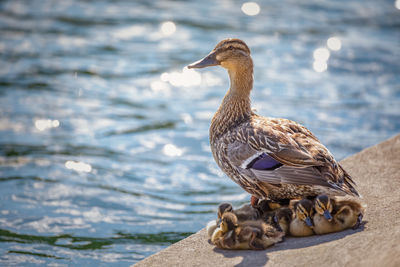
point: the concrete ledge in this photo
(377, 243)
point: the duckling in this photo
(334, 215)
(227, 223)
(254, 235)
(269, 158)
(324, 205)
(244, 213)
(226, 236)
(265, 205)
(267, 212)
(302, 224)
(283, 218)
(276, 214)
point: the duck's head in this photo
(229, 53)
(228, 222)
(323, 206)
(304, 210)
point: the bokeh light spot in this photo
(334, 43)
(172, 151)
(320, 66)
(42, 125)
(168, 28)
(321, 54)
(251, 8)
(78, 166)
(186, 78)
(397, 4)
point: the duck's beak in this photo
(209, 60)
(309, 222)
(327, 215)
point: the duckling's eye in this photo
(230, 47)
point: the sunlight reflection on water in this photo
(251, 8)
(104, 153)
(42, 125)
(168, 28)
(78, 166)
(334, 43)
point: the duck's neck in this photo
(235, 106)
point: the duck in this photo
(270, 158)
(302, 224)
(255, 234)
(335, 214)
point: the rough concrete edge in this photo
(195, 235)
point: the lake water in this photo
(104, 154)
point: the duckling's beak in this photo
(309, 222)
(327, 215)
(209, 60)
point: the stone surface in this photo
(377, 243)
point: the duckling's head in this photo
(323, 206)
(264, 206)
(229, 53)
(281, 219)
(304, 211)
(224, 207)
(283, 216)
(228, 222)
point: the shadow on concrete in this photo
(250, 257)
(260, 258)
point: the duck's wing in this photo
(263, 167)
(284, 152)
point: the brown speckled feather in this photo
(305, 160)
(308, 167)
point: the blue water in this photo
(104, 154)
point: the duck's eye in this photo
(230, 47)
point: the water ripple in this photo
(104, 150)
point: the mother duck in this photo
(270, 158)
